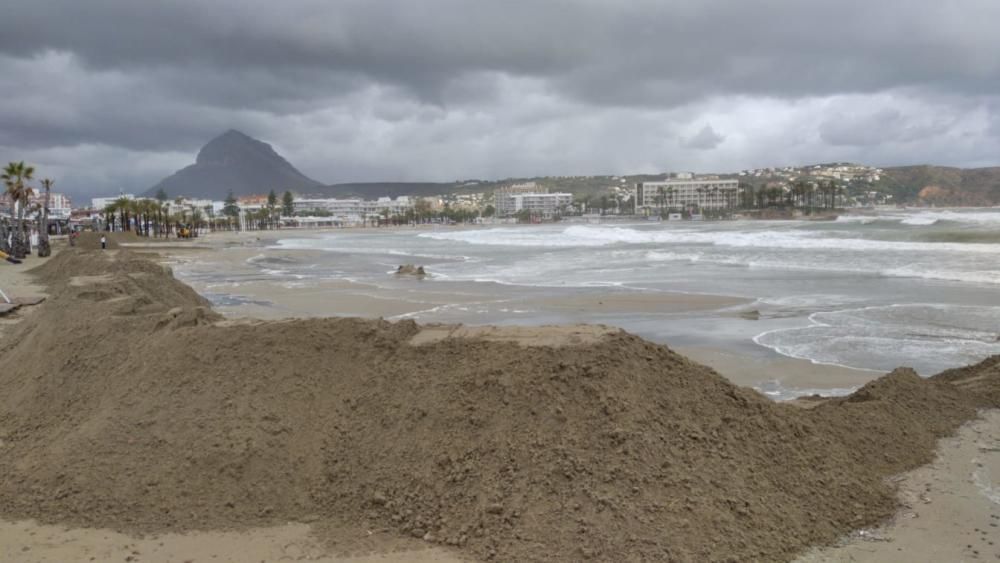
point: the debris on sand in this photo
(411, 270)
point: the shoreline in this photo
(777, 375)
(33, 540)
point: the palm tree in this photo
(196, 219)
(123, 207)
(44, 249)
(14, 176)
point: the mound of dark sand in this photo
(982, 379)
(128, 403)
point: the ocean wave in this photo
(928, 337)
(927, 218)
(978, 276)
(919, 221)
(779, 263)
(587, 236)
(778, 392)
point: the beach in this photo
(253, 286)
(600, 384)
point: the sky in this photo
(110, 95)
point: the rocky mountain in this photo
(239, 163)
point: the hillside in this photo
(374, 190)
(234, 162)
(957, 186)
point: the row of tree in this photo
(810, 195)
(14, 234)
(160, 218)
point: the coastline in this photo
(38, 539)
(772, 373)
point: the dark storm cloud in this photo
(439, 89)
(665, 51)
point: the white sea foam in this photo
(587, 236)
(778, 392)
(932, 336)
(919, 220)
(926, 218)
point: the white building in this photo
(102, 202)
(60, 207)
(680, 194)
(543, 204)
(355, 210)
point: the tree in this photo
(421, 209)
(489, 211)
(230, 209)
(122, 206)
(272, 203)
(287, 204)
(161, 195)
(15, 175)
(43, 230)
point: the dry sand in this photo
(151, 416)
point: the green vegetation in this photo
(230, 209)
(16, 176)
(943, 185)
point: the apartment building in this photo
(687, 193)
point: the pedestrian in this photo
(104, 242)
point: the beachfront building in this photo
(102, 202)
(353, 211)
(513, 199)
(686, 194)
(60, 209)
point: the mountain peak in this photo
(234, 161)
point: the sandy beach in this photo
(266, 299)
(948, 508)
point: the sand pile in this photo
(128, 403)
(91, 240)
(982, 379)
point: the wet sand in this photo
(266, 299)
(951, 508)
(753, 371)
(29, 542)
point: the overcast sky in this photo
(105, 95)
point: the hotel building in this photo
(682, 194)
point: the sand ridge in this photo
(148, 413)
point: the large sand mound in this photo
(128, 403)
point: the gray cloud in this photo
(443, 89)
(705, 139)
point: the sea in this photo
(874, 291)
